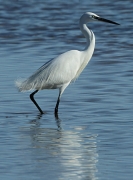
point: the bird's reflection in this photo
(72, 153)
(36, 120)
(58, 121)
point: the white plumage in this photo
(61, 71)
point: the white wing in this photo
(54, 73)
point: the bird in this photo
(59, 72)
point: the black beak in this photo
(105, 20)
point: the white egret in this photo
(58, 73)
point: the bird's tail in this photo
(23, 85)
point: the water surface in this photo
(92, 139)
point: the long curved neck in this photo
(87, 33)
(86, 54)
(90, 38)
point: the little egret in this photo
(58, 73)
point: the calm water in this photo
(92, 139)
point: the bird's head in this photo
(89, 16)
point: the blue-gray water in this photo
(93, 139)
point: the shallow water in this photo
(92, 139)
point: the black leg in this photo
(57, 105)
(33, 100)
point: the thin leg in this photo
(57, 105)
(58, 100)
(33, 100)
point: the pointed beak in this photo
(105, 20)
